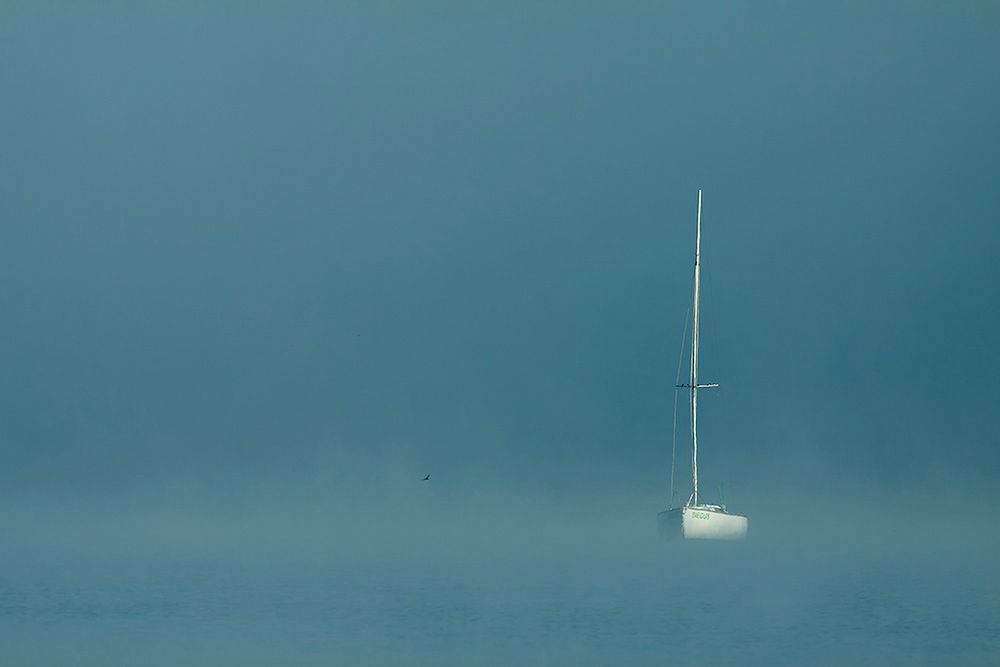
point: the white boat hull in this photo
(702, 523)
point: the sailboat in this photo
(696, 520)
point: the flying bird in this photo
(427, 479)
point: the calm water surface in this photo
(730, 606)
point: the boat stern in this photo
(670, 523)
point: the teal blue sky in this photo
(251, 249)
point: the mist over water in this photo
(499, 583)
(263, 269)
(497, 588)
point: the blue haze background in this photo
(264, 267)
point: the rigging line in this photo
(673, 433)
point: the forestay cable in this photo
(673, 433)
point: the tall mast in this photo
(694, 356)
(693, 385)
